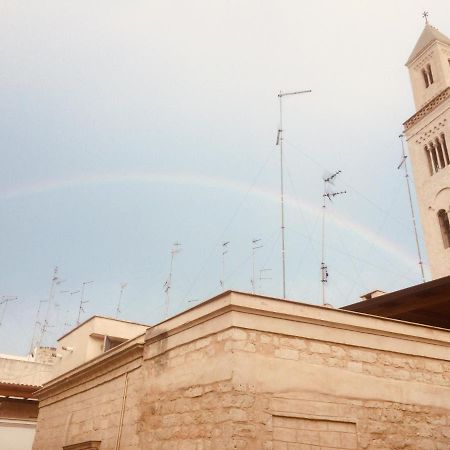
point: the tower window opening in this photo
(434, 157)
(430, 162)
(444, 148)
(442, 162)
(425, 78)
(430, 74)
(444, 224)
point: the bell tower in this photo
(428, 135)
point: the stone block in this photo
(286, 353)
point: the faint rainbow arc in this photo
(147, 177)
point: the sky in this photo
(128, 126)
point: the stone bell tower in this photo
(428, 135)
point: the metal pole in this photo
(280, 143)
(323, 267)
(411, 206)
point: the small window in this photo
(430, 74)
(111, 342)
(444, 148)
(445, 227)
(434, 157)
(440, 153)
(430, 162)
(425, 78)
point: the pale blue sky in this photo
(127, 126)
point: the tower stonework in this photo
(428, 135)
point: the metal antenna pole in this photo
(413, 217)
(326, 195)
(168, 284)
(323, 267)
(255, 247)
(82, 300)
(51, 296)
(224, 252)
(122, 288)
(280, 144)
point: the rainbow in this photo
(181, 178)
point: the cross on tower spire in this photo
(425, 16)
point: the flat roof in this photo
(426, 303)
(102, 317)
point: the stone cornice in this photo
(425, 110)
(103, 365)
(282, 310)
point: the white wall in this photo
(16, 434)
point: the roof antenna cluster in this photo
(168, 284)
(327, 194)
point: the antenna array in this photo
(168, 284)
(82, 300)
(256, 244)
(122, 288)
(279, 143)
(327, 181)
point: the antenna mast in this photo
(51, 296)
(280, 144)
(255, 246)
(326, 195)
(413, 217)
(122, 288)
(168, 284)
(224, 252)
(82, 300)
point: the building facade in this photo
(249, 372)
(428, 135)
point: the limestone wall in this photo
(248, 372)
(100, 403)
(286, 393)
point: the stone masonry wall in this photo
(92, 413)
(233, 415)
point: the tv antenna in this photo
(256, 244)
(279, 143)
(263, 276)
(122, 288)
(224, 252)
(327, 194)
(413, 216)
(82, 299)
(176, 248)
(4, 300)
(56, 281)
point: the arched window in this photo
(434, 157)
(440, 153)
(425, 78)
(444, 148)
(430, 163)
(430, 74)
(445, 227)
